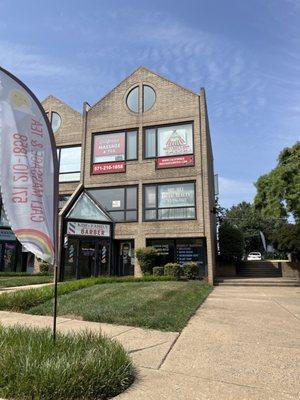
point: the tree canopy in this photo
(278, 192)
(250, 221)
(231, 242)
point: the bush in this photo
(158, 271)
(45, 268)
(83, 366)
(172, 269)
(191, 270)
(231, 242)
(147, 257)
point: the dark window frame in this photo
(94, 134)
(156, 127)
(125, 210)
(138, 99)
(156, 208)
(73, 172)
(143, 97)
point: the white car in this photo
(254, 255)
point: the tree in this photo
(249, 220)
(287, 239)
(278, 192)
(231, 242)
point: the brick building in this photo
(136, 169)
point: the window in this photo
(69, 163)
(148, 98)
(120, 202)
(62, 199)
(133, 100)
(169, 201)
(3, 218)
(117, 146)
(169, 141)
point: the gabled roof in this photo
(51, 97)
(141, 68)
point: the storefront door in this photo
(87, 258)
(8, 252)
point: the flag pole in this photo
(56, 247)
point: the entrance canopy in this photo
(87, 208)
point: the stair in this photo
(259, 269)
(245, 281)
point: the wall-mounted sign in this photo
(88, 229)
(176, 195)
(109, 147)
(109, 168)
(7, 235)
(175, 140)
(175, 162)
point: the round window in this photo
(55, 121)
(148, 97)
(132, 100)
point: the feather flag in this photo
(29, 168)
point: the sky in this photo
(245, 53)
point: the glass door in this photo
(86, 259)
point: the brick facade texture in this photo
(174, 104)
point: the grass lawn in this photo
(10, 281)
(158, 305)
(83, 366)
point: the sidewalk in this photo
(242, 344)
(147, 347)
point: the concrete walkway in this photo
(243, 343)
(4, 289)
(147, 347)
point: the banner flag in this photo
(29, 168)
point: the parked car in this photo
(254, 255)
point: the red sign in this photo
(109, 145)
(109, 168)
(174, 162)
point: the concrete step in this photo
(247, 281)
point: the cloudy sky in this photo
(245, 53)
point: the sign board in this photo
(176, 195)
(109, 168)
(175, 140)
(175, 162)
(88, 229)
(7, 235)
(109, 147)
(116, 203)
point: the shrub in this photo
(147, 257)
(83, 366)
(191, 270)
(231, 242)
(45, 268)
(158, 271)
(172, 269)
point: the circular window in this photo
(55, 121)
(132, 100)
(148, 97)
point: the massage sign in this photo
(176, 150)
(109, 153)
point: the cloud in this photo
(233, 191)
(24, 60)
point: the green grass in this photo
(158, 305)
(23, 300)
(22, 280)
(84, 366)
